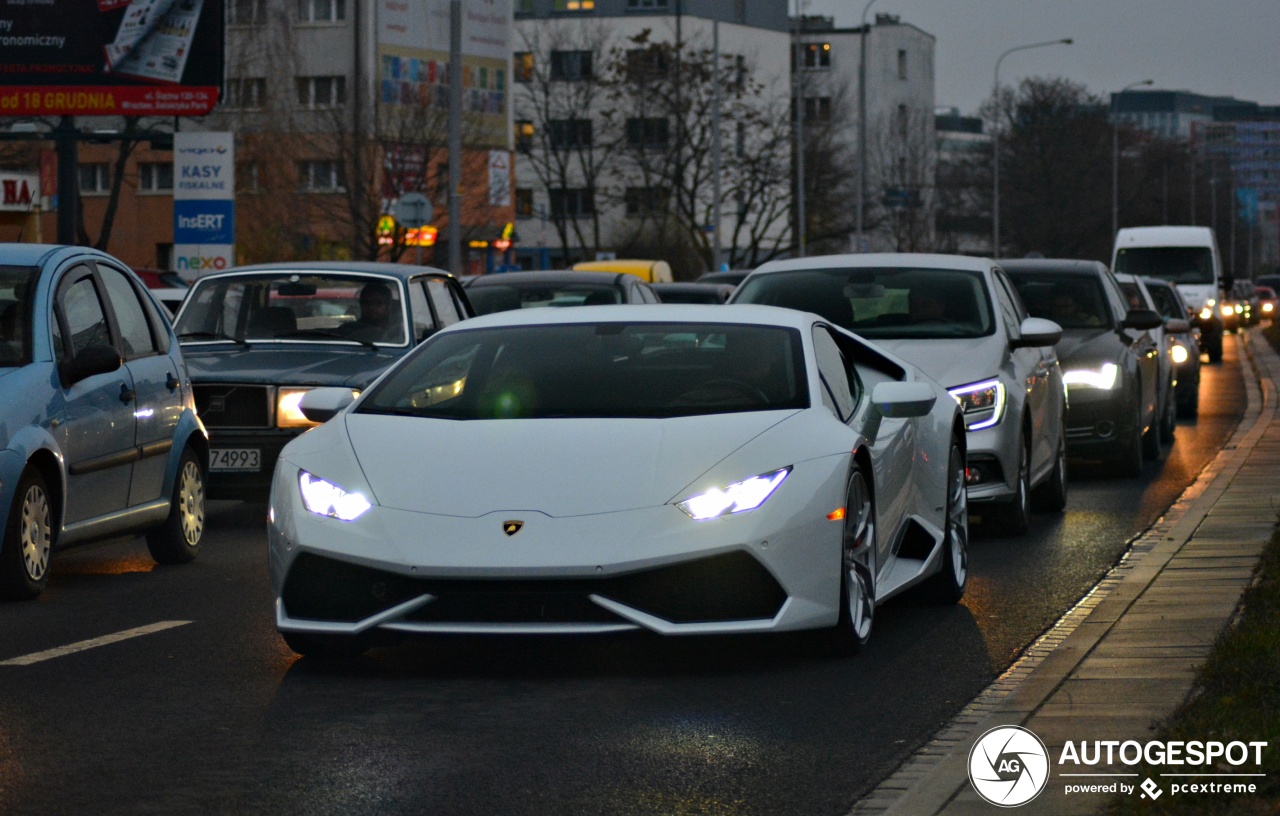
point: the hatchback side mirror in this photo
(1143, 319)
(99, 359)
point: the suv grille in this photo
(234, 406)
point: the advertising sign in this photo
(19, 192)
(204, 191)
(110, 57)
(413, 63)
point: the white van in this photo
(1188, 258)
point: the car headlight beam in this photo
(288, 414)
(327, 499)
(982, 403)
(738, 497)
(1103, 377)
(1179, 353)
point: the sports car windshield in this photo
(888, 302)
(1174, 264)
(15, 307)
(297, 306)
(597, 370)
(1071, 301)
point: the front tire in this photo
(177, 541)
(1151, 446)
(28, 540)
(857, 570)
(1051, 497)
(948, 585)
(1013, 518)
(1169, 422)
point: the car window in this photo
(16, 285)
(1188, 265)
(442, 298)
(1008, 310)
(510, 295)
(86, 319)
(423, 321)
(647, 295)
(839, 392)
(1071, 301)
(136, 339)
(882, 302)
(1166, 302)
(597, 370)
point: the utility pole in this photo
(862, 121)
(798, 104)
(455, 136)
(65, 139)
(715, 146)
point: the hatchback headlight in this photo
(1103, 377)
(982, 403)
(738, 497)
(327, 499)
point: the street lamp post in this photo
(1115, 156)
(862, 117)
(995, 141)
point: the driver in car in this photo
(376, 321)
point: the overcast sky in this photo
(1216, 47)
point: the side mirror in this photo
(323, 404)
(897, 400)
(1036, 332)
(1142, 319)
(100, 359)
(1176, 325)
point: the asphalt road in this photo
(215, 715)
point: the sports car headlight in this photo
(982, 403)
(1103, 377)
(738, 497)
(327, 499)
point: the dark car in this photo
(257, 338)
(1109, 356)
(1184, 344)
(1248, 304)
(524, 290)
(693, 292)
(733, 277)
(1267, 297)
(98, 429)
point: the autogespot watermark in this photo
(1009, 766)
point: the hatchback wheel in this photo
(28, 539)
(177, 541)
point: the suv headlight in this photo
(982, 403)
(738, 497)
(327, 499)
(1103, 377)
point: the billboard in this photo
(110, 57)
(413, 63)
(204, 193)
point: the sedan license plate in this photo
(243, 459)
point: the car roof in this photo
(395, 270)
(22, 254)
(913, 260)
(693, 286)
(745, 314)
(548, 276)
(1072, 266)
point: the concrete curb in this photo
(1124, 657)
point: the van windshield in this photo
(1174, 264)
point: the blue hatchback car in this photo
(98, 430)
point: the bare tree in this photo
(904, 177)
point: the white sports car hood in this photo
(560, 467)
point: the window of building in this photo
(646, 200)
(642, 5)
(155, 177)
(322, 91)
(570, 66)
(817, 108)
(322, 11)
(524, 135)
(572, 202)
(522, 64)
(95, 179)
(904, 122)
(524, 202)
(321, 176)
(246, 12)
(647, 132)
(902, 64)
(816, 55)
(574, 5)
(245, 93)
(570, 134)
(247, 178)
(642, 62)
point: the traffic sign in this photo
(413, 210)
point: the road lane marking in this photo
(72, 648)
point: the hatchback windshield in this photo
(15, 308)
(506, 297)
(1071, 301)
(1166, 302)
(888, 302)
(1174, 264)
(597, 370)
(294, 306)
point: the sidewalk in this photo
(1124, 658)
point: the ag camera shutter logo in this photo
(1008, 766)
